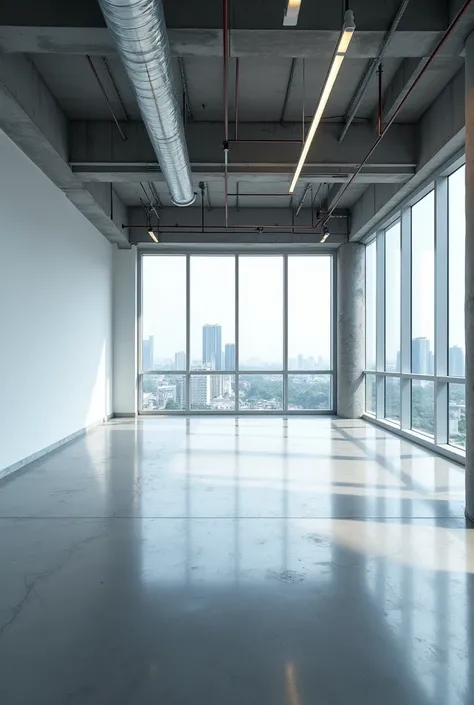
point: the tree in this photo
(149, 385)
(172, 405)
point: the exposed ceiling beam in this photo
(442, 136)
(332, 196)
(98, 153)
(317, 173)
(394, 93)
(187, 42)
(30, 116)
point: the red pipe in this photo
(402, 103)
(379, 121)
(236, 99)
(225, 50)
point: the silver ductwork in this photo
(139, 31)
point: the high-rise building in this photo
(180, 360)
(212, 346)
(420, 356)
(148, 354)
(229, 357)
(457, 365)
(200, 391)
(181, 393)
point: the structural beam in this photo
(333, 194)
(30, 116)
(188, 42)
(98, 154)
(395, 92)
(441, 136)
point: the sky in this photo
(423, 273)
(212, 300)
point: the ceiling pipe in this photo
(139, 31)
(363, 86)
(432, 57)
(225, 70)
(302, 199)
(104, 93)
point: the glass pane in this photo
(392, 299)
(164, 325)
(392, 399)
(309, 392)
(261, 313)
(212, 314)
(163, 393)
(261, 392)
(309, 325)
(422, 215)
(370, 302)
(457, 415)
(422, 406)
(370, 394)
(457, 231)
(212, 392)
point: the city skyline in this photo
(260, 315)
(210, 358)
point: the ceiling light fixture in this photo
(325, 235)
(152, 235)
(342, 46)
(290, 18)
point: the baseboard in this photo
(4, 472)
(124, 415)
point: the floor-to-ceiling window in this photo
(392, 322)
(370, 326)
(415, 353)
(456, 345)
(236, 333)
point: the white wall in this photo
(55, 313)
(124, 327)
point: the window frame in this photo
(440, 378)
(237, 253)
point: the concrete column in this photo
(469, 276)
(124, 388)
(351, 330)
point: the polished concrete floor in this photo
(225, 561)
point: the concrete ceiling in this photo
(281, 73)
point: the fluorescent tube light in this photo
(152, 235)
(290, 18)
(343, 44)
(325, 235)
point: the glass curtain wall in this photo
(236, 333)
(415, 351)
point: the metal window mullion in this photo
(139, 334)
(333, 351)
(441, 310)
(285, 332)
(405, 319)
(188, 333)
(236, 335)
(380, 324)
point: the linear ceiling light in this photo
(343, 44)
(290, 18)
(152, 234)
